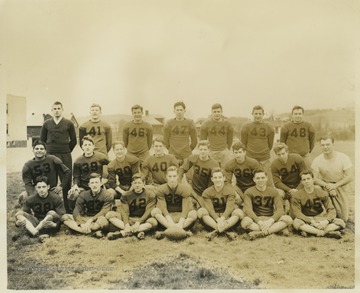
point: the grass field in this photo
(81, 262)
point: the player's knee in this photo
(66, 217)
(297, 223)
(246, 222)
(19, 213)
(339, 222)
(202, 212)
(152, 222)
(102, 221)
(192, 215)
(112, 192)
(55, 216)
(286, 219)
(239, 213)
(281, 193)
(155, 211)
(111, 214)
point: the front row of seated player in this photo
(142, 209)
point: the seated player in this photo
(219, 212)
(202, 164)
(121, 169)
(133, 216)
(154, 167)
(174, 197)
(263, 207)
(90, 209)
(42, 211)
(313, 210)
(44, 165)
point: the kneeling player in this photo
(41, 211)
(134, 216)
(90, 209)
(308, 208)
(174, 197)
(219, 212)
(263, 207)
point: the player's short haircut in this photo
(204, 143)
(297, 108)
(41, 179)
(88, 138)
(216, 170)
(327, 136)
(94, 175)
(180, 103)
(137, 176)
(137, 107)
(238, 145)
(216, 106)
(58, 103)
(258, 107)
(259, 170)
(171, 169)
(159, 138)
(38, 142)
(116, 142)
(94, 105)
(280, 146)
(306, 172)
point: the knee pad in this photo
(246, 222)
(202, 212)
(66, 217)
(339, 222)
(192, 214)
(152, 222)
(297, 223)
(102, 221)
(55, 216)
(155, 211)
(286, 219)
(111, 214)
(238, 212)
(19, 213)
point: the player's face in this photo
(138, 185)
(258, 115)
(216, 113)
(137, 114)
(260, 179)
(95, 184)
(297, 116)
(158, 148)
(307, 180)
(95, 113)
(39, 151)
(172, 178)
(57, 110)
(283, 155)
(326, 146)
(218, 179)
(88, 148)
(179, 112)
(203, 152)
(119, 150)
(42, 189)
(239, 155)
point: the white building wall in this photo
(15, 119)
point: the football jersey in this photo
(218, 133)
(137, 137)
(154, 168)
(124, 170)
(180, 137)
(101, 133)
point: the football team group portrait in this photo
(179, 145)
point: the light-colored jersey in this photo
(101, 133)
(154, 168)
(138, 137)
(124, 170)
(218, 133)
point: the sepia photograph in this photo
(179, 145)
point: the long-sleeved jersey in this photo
(59, 138)
(84, 166)
(101, 133)
(40, 206)
(124, 170)
(219, 134)
(299, 137)
(137, 137)
(258, 137)
(263, 203)
(137, 205)
(154, 168)
(305, 205)
(180, 137)
(287, 175)
(202, 172)
(50, 166)
(176, 199)
(222, 201)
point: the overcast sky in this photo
(237, 53)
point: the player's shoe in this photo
(97, 234)
(333, 234)
(159, 235)
(49, 224)
(222, 226)
(231, 235)
(304, 234)
(43, 237)
(140, 235)
(255, 234)
(189, 233)
(285, 232)
(210, 236)
(114, 235)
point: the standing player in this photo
(219, 212)
(219, 132)
(99, 130)
(135, 211)
(90, 209)
(174, 197)
(44, 165)
(299, 135)
(258, 138)
(154, 167)
(313, 210)
(264, 212)
(180, 135)
(41, 211)
(333, 172)
(138, 134)
(121, 170)
(59, 136)
(202, 165)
